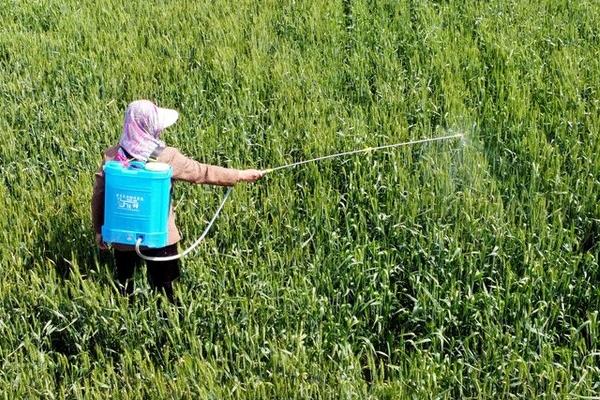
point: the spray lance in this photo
(138, 238)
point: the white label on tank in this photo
(129, 202)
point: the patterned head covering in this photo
(144, 122)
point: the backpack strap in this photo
(156, 153)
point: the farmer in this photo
(144, 122)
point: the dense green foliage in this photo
(442, 270)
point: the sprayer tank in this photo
(136, 203)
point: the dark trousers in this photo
(161, 274)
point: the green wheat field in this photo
(456, 269)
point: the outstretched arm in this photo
(187, 169)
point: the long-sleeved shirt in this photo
(184, 169)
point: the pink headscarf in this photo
(144, 122)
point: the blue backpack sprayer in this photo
(137, 200)
(136, 203)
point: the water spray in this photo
(283, 167)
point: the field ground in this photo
(451, 270)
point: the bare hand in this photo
(100, 243)
(250, 175)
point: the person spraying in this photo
(140, 141)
